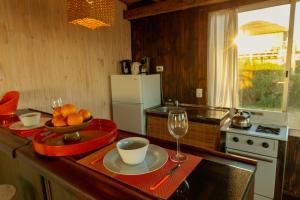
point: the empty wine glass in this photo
(56, 102)
(178, 126)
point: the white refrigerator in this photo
(131, 95)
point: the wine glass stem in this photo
(178, 146)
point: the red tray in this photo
(99, 133)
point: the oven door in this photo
(265, 173)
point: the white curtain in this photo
(222, 58)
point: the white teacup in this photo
(133, 149)
(30, 119)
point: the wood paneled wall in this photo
(178, 41)
(43, 56)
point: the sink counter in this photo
(197, 114)
(204, 125)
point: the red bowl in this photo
(9, 103)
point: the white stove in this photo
(282, 135)
(259, 142)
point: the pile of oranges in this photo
(67, 115)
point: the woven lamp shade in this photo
(91, 13)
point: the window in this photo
(262, 51)
(264, 73)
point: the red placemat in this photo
(144, 181)
(29, 133)
(7, 120)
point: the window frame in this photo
(262, 5)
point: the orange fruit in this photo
(85, 114)
(74, 119)
(59, 121)
(67, 109)
(56, 112)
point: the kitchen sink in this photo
(166, 109)
(196, 113)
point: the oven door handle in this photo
(249, 156)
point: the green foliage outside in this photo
(266, 88)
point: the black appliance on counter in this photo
(144, 68)
(126, 66)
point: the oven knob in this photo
(235, 139)
(265, 145)
(250, 142)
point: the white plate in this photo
(18, 126)
(155, 158)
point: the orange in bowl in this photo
(68, 109)
(56, 112)
(74, 119)
(59, 121)
(85, 114)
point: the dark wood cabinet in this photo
(22, 176)
(292, 169)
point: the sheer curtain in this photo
(222, 58)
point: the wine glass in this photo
(178, 126)
(56, 102)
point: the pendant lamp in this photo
(91, 13)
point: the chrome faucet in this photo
(174, 101)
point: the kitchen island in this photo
(218, 175)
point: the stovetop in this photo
(267, 130)
(261, 130)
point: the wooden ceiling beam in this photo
(128, 2)
(166, 6)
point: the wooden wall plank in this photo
(43, 56)
(178, 41)
(292, 175)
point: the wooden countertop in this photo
(218, 176)
(202, 114)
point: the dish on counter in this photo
(30, 119)
(19, 126)
(133, 149)
(67, 129)
(155, 158)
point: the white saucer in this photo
(18, 126)
(155, 158)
